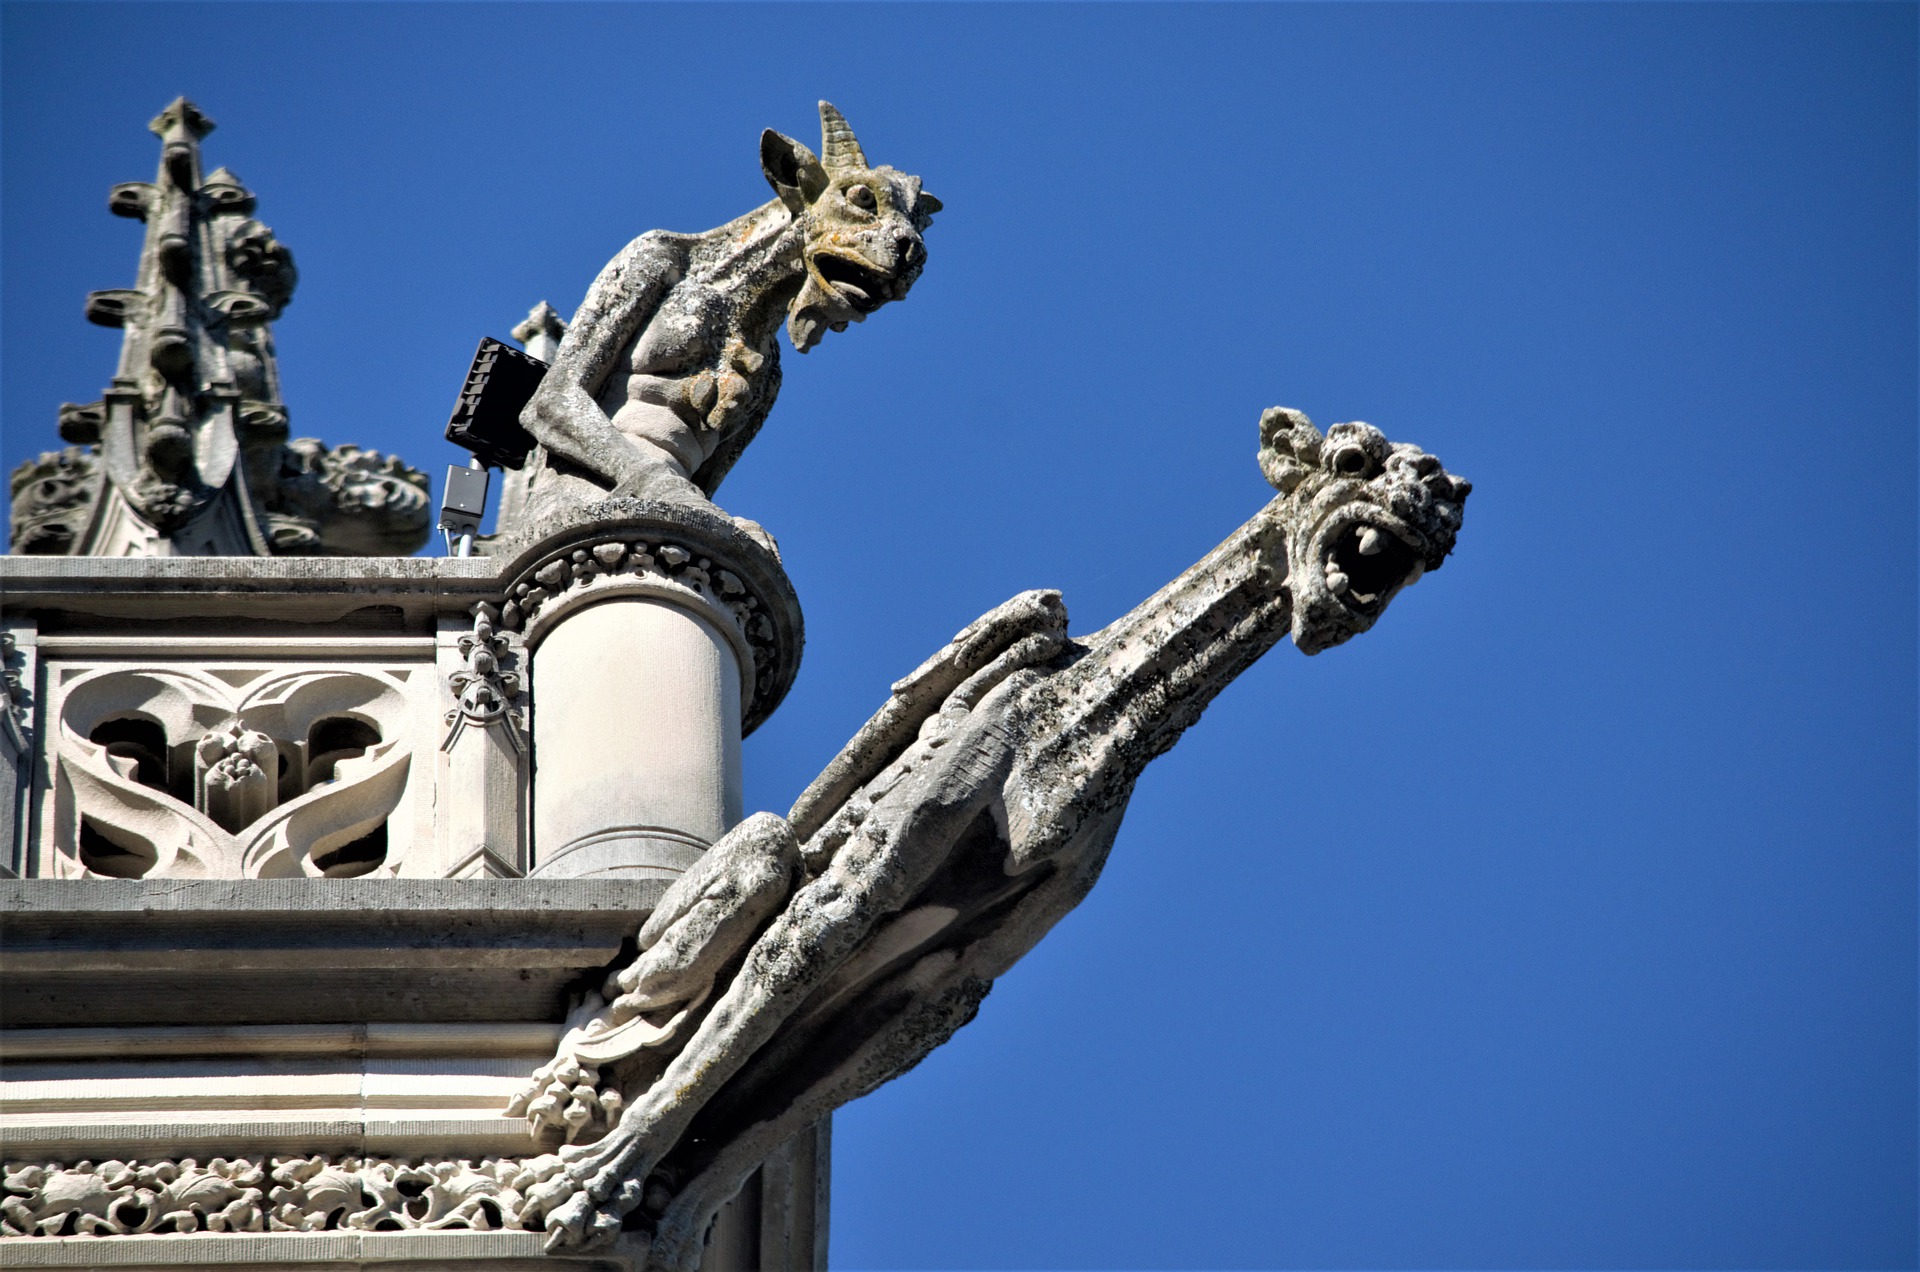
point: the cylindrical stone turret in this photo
(637, 740)
(656, 640)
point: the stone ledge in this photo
(503, 1038)
(338, 898)
(348, 592)
(96, 953)
(307, 1252)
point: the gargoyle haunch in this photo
(805, 961)
(670, 365)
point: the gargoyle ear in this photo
(1289, 447)
(930, 205)
(792, 170)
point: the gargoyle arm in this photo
(564, 415)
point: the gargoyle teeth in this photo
(1371, 542)
(1337, 583)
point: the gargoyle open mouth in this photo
(863, 287)
(1366, 563)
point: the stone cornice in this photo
(691, 555)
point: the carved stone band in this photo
(259, 1194)
(690, 556)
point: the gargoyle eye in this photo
(861, 197)
(1349, 461)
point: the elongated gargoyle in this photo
(671, 365)
(803, 962)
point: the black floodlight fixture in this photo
(486, 419)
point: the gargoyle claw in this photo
(568, 1224)
(581, 1224)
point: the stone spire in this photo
(186, 453)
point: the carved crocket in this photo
(671, 365)
(803, 962)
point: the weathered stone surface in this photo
(972, 813)
(54, 495)
(291, 951)
(187, 451)
(725, 570)
(670, 365)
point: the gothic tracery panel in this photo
(179, 770)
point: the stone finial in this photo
(540, 333)
(186, 450)
(181, 120)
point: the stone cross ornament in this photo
(670, 365)
(806, 960)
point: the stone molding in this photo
(725, 571)
(306, 952)
(414, 591)
(337, 1250)
(262, 1194)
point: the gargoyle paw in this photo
(582, 1223)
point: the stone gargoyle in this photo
(671, 364)
(805, 961)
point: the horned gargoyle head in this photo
(1363, 517)
(860, 227)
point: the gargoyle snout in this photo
(908, 250)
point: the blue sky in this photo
(1567, 919)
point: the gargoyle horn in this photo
(838, 147)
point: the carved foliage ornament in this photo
(16, 699)
(666, 565)
(53, 495)
(171, 772)
(259, 1194)
(488, 687)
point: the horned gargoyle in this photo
(803, 962)
(671, 365)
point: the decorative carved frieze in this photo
(262, 1194)
(657, 564)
